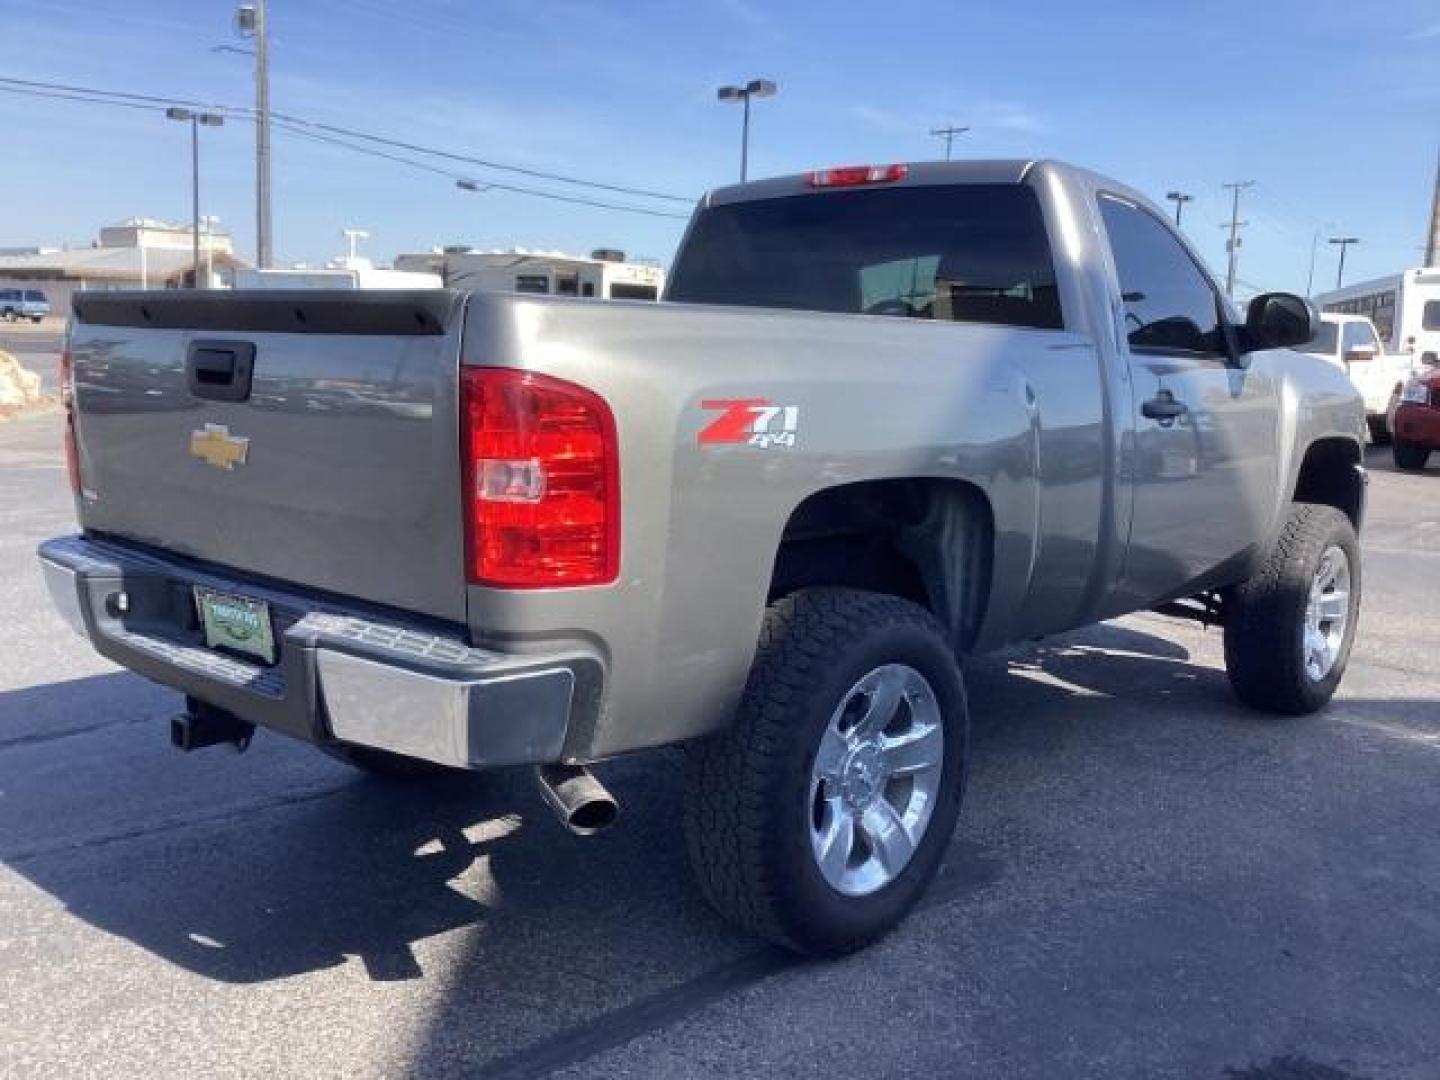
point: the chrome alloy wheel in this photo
(875, 779)
(1327, 613)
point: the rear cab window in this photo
(960, 253)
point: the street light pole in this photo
(1179, 198)
(195, 119)
(1343, 242)
(760, 88)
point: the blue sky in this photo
(1332, 108)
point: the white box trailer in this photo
(604, 275)
(353, 277)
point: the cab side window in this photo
(1170, 306)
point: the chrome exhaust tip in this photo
(580, 801)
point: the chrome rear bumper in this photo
(341, 675)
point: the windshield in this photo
(965, 253)
(1326, 338)
(35, 294)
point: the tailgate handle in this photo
(220, 370)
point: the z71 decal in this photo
(751, 421)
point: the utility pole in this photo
(250, 22)
(1179, 198)
(1432, 245)
(948, 133)
(263, 253)
(1344, 242)
(1232, 246)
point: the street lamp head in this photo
(245, 20)
(1344, 240)
(1179, 196)
(730, 93)
(210, 119)
(760, 88)
(177, 113)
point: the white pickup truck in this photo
(1351, 343)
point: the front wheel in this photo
(1289, 628)
(819, 817)
(1410, 456)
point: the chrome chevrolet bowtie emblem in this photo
(214, 445)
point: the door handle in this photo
(1164, 407)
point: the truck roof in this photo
(998, 171)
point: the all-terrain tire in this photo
(1409, 456)
(1265, 616)
(748, 800)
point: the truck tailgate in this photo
(337, 468)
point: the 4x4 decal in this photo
(751, 421)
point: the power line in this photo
(151, 98)
(352, 133)
(437, 170)
(538, 174)
(59, 96)
(318, 137)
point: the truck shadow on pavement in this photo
(341, 865)
(554, 949)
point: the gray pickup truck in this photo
(888, 416)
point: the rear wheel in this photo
(1410, 456)
(1289, 629)
(818, 819)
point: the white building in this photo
(138, 253)
(605, 274)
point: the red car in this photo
(1415, 420)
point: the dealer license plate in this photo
(233, 622)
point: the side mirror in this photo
(1279, 320)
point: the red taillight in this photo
(542, 481)
(67, 399)
(853, 175)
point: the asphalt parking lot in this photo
(1148, 881)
